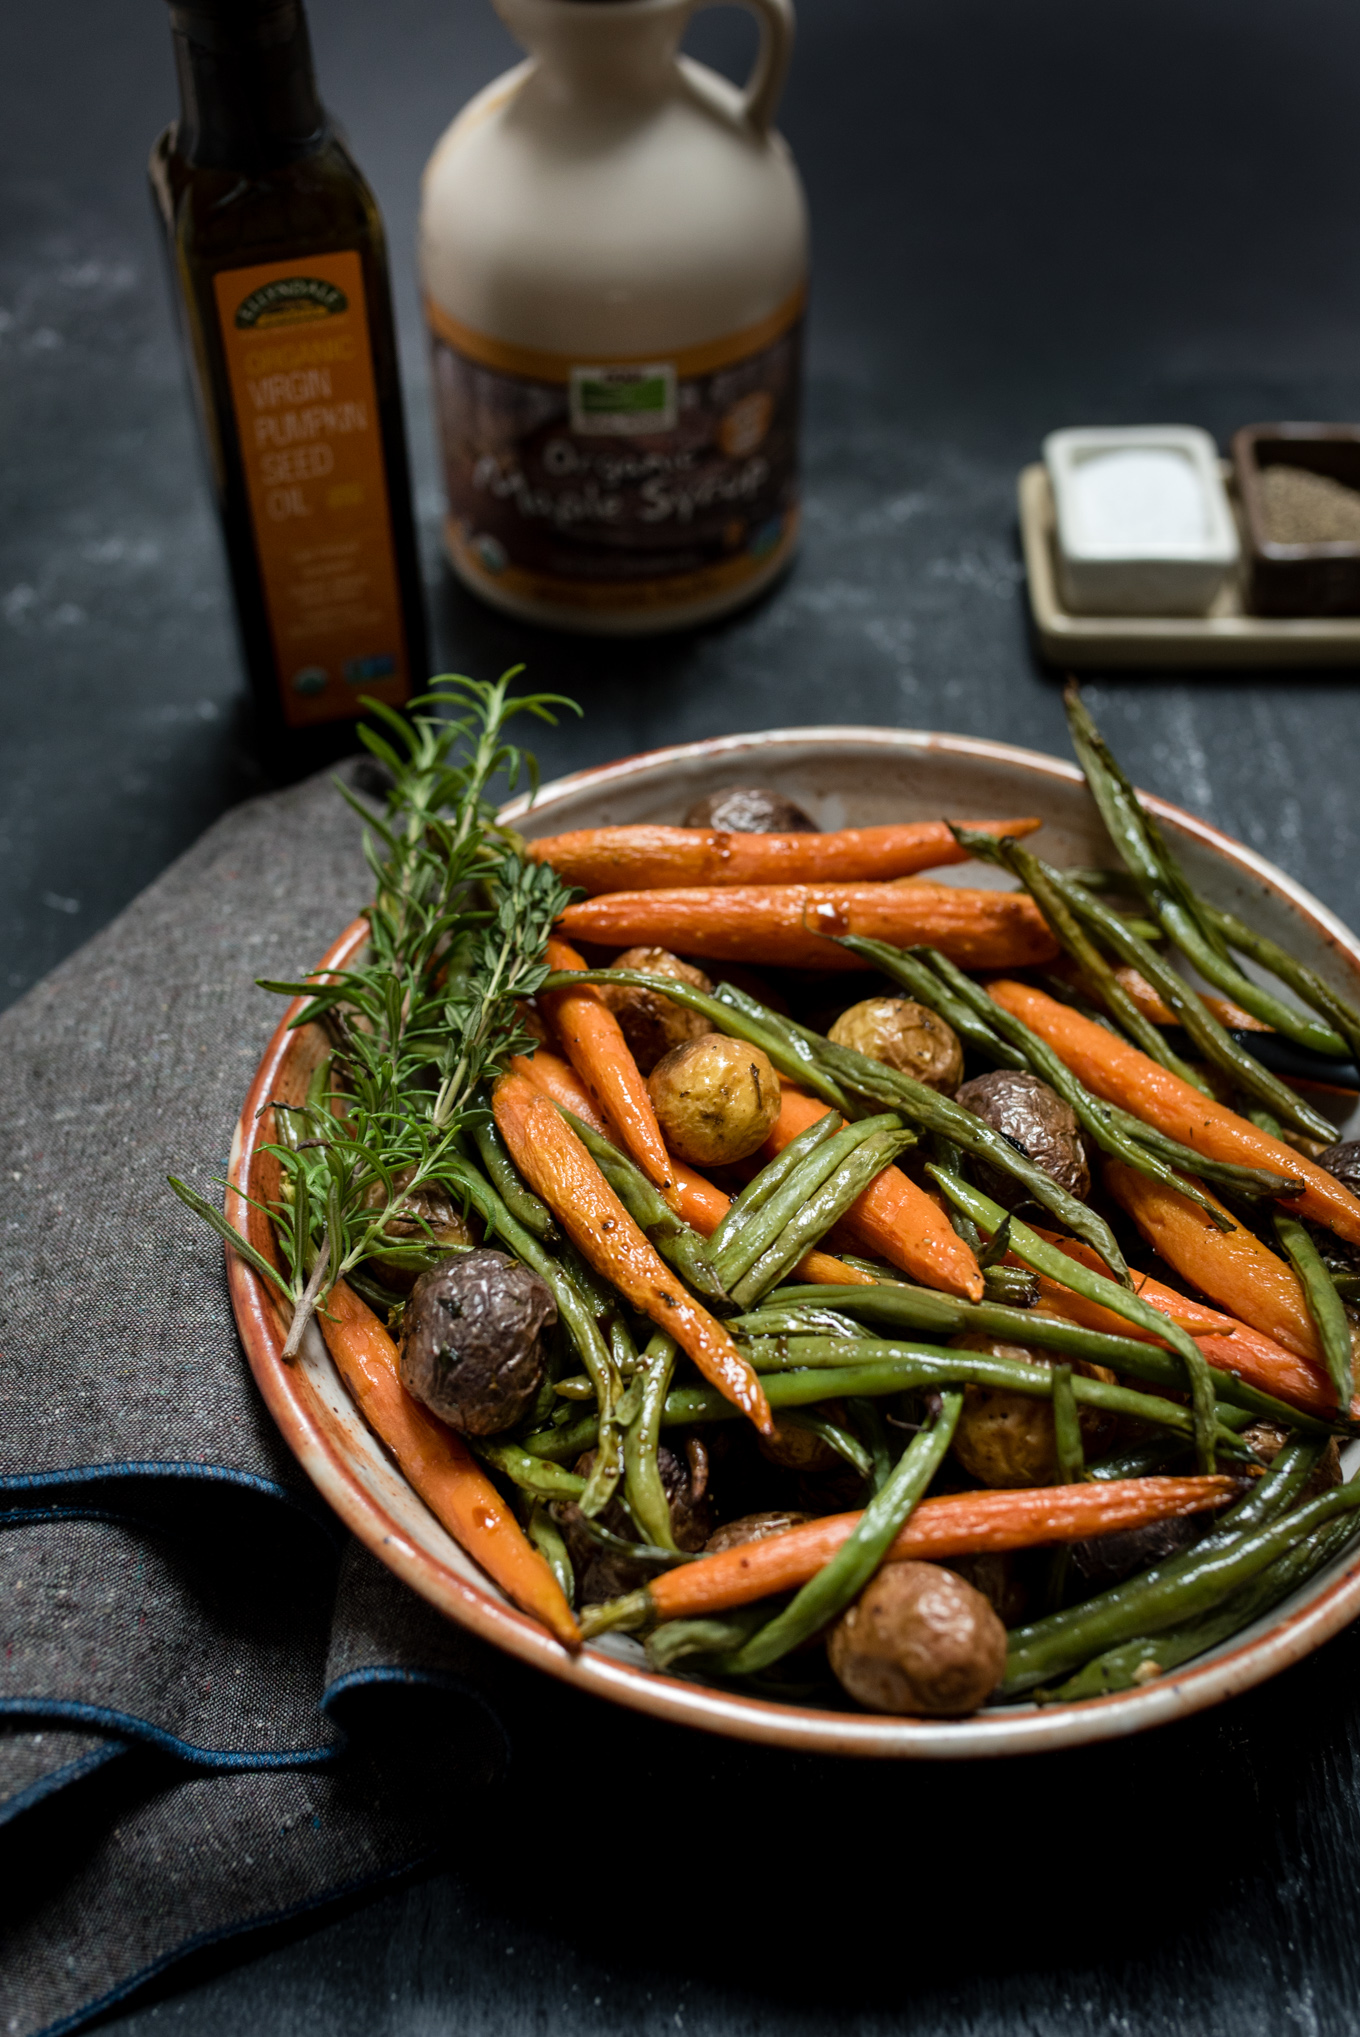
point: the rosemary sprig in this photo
(457, 929)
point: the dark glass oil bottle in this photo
(280, 270)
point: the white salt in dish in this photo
(1144, 526)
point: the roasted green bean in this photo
(642, 1486)
(1149, 1656)
(1325, 1305)
(1180, 1589)
(1045, 1258)
(859, 1556)
(798, 1065)
(582, 1328)
(1169, 897)
(799, 1371)
(823, 1208)
(1213, 1040)
(926, 1309)
(904, 968)
(546, 1537)
(679, 1245)
(759, 1190)
(1115, 1131)
(532, 1474)
(526, 1208)
(1067, 1442)
(1299, 977)
(937, 1113)
(719, 1635)
(739, 1254)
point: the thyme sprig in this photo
(457, 928)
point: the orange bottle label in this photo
(296, 341)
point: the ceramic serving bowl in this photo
(844, 777)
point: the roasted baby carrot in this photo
(796, 925)
(651, 858)
(1225, 1341)
(558, 1168)
(1235, 1268)
(894, 1219)
(1123, 1075)
(963, 1524)
(600, 1055)
(698, 1201)
(559, 1080)
(439, 1464)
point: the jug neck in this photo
(601, 49)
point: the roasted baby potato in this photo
(715, 1099)
(1006, 1439)
(424, 1223)
(603, 1572)
(1343, 1161)
(795, 1447)
(1034, 1118)
(653, 1024)
(993, 1573)
(903, 1034)
(750, 810)
(918, 1639)
(1267, 1439)
(752, 1528)
(472, 1341)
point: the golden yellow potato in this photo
(1006, 1439)
(715, 1099)
(653, 1024)
(903, 1034)
(918, 1639)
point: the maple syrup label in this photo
(616, 485)
(296, 340)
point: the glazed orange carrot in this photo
(1235, 1346)
(557, 1167)
(698, 1201)
(789, 924)
(1233, 1266)
(439, 1464)
(962, 1524)
(1123, 1075)
(559, 1080)
(601, 1057)
(894, 1218)
(652, 858)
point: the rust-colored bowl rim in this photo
(477, 1606)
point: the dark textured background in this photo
(1024, 216)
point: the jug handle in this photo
(765, 86)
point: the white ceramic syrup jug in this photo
(613, 246)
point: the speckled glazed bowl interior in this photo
(845, 777)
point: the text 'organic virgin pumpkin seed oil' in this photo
(280, 269)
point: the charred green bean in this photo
(1045, 1258)
(859, 1556)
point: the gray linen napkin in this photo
(198, 1667)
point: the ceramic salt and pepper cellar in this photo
(613, 246)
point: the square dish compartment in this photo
(1319, 579)
(1141, 575)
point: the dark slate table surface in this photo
(1024, 216)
